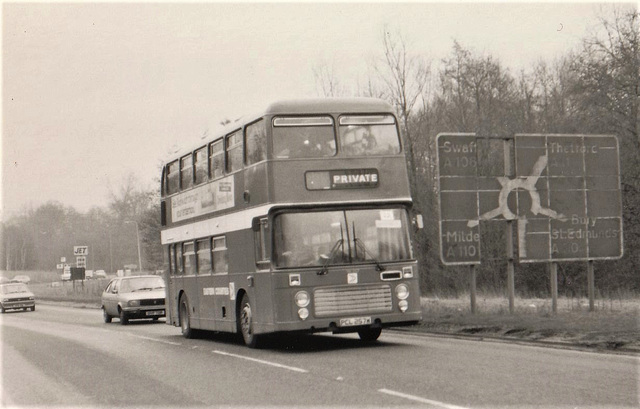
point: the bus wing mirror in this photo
(418, 221)
(255, 224)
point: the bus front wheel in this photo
(369, 334)
(183, 315)
(245, 323)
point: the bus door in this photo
(206, 285)
(223, 311)
(174, 283)
(190, 281)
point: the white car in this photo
(99, 274)
(16, 296)
(135, 297)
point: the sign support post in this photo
(591, 288)
(472, 286)
(553, 267)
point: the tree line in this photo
(591, 90)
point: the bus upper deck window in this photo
(173, 177)
(186, 172)
(303, 137)
(216, 156)
(201, 165)
(234, 151)
(366, 135)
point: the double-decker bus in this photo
(295, 219)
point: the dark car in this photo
(16, 296)
(134, 297)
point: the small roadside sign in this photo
(81, 261)
(59, 266)
(80, 250)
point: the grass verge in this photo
(613, 325)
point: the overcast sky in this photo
(94, 92)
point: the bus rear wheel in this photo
(369, 334)
(245, 323)
(183, 315)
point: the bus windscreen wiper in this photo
(359, 243)
(335, 248)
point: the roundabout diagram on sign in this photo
(528, 184)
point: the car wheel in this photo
(369, 334)
(245, 323)
(2, 310)
(184, 317)
(33, 308)
(124, 320)
(105, 316)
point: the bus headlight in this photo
(402, 291)
(134, 303)
(303, 313)
(403, 305)
(302, 298)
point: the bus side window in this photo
(201, 165)
(189, 259)
(186, 172)
(173, 177)
(216, 163)
(219, 251)
(203, 249)
(179, 269)
(261, 244)
(256, 142)
(234, 151)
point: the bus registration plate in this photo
(352, 322)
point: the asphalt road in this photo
(60, 356)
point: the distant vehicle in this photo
(136, 297)
(16, 296)
(21, 279)
(99, 274)
(88, 274)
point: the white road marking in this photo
(156, 340)
(421, 400)
(260, 361)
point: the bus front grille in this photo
(352, 300)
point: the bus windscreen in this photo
(341, 237)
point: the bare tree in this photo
(405, 77)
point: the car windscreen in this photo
(141, 284)
(13, 289)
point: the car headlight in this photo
(402, 291)
(134, 303)
(302, 298)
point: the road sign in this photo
(573, 211)
(564, 195)
(80, 250)
(81, 261)
(458, 187)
